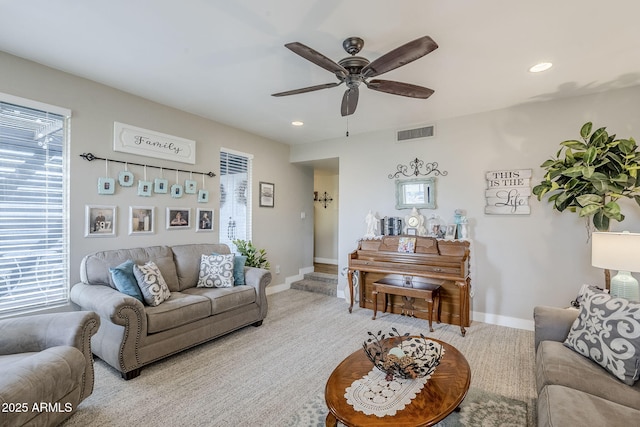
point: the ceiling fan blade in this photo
(307, 89)
(349, 101)
(400, 56)
(398, 88)
(317, 58)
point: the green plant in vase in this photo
(588, 176)
(255, 257)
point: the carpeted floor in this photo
(265, 376)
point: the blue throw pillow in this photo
(125, 280)
(238, 269)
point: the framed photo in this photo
(99, 221)
(267, 194)
(205, 220)
(141, 219)
(144, 188)
(125, 179)
(203, 196)
(106, 185)
(190, 186)
(161, 185)
(451, 231)
(178, 218)
(177, 191)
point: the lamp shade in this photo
(616, 251)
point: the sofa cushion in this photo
(125, 280)
(187, 261)
(224, 299)
(178, 310)
(559, 406)
(152, 285)
(238, 269)
(216, 271)
(557, 364)
(607, 330)
(94, 268)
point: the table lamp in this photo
(618, 251)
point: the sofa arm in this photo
(552, 323)
(259, 278)
(41, 331)
(110, 304)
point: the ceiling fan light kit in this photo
(354, 70)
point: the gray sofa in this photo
(133, 334)
(46, 367)
(572, 389)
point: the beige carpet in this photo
(263, 376)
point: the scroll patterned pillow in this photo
(607, 331)
(152, 285)
(216, 271)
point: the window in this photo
(33, 200)
(235, 197)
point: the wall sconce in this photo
(618, 251)
(325, 199)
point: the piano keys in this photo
(446, 260)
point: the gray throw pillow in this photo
(607, 331)
(152, 285)
(216, 271)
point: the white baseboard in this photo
(326, 261)
(496, 319)
(272, 289)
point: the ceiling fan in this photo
(354, 70)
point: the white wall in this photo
(325, 231)
(518, 262)
(280, 230)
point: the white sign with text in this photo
(508, 192)
(135, 140)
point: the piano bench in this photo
(409, 287)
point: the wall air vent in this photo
(411, 134)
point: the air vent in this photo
(410, 134)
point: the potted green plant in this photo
(255, 257)
(589, 176)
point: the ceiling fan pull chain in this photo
(347, 126)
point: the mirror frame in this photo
(403, 197)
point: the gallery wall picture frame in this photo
(100, 220)
(144, 188)
(205, 220)
(106, 185)
(141, 220)
(190, 186)
(177, 191)
(125, 179)
(178, 218)
(203, 196)
(161, 186)
(267, 194)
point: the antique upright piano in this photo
(444, 260)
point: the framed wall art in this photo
(144, 188)
(267, 194)
(205, 220)
(160, 186)
(106, 185)
(141, 220)
(100, 221)
(178, 218)
(125, 178)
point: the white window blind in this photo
(33, 237)
(235, 196)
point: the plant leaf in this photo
(585, 130)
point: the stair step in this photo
(317, 286)
(322, 277)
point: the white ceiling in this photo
(221, 59)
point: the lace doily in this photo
(373, 395)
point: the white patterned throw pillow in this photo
(216, 271)
(607, 331)
(152, 285)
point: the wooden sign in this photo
(508, 192)
(143, 142)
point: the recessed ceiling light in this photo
(297, 123)
(543, 66)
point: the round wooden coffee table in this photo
(441, 395)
